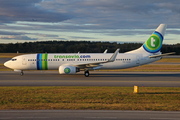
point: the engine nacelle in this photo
(66, 69)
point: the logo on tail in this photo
(154, 43)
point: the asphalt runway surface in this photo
(96, 78)
(88, 115)
(3, 60)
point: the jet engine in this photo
(66, 69)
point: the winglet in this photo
(106, 51)
(113, 57)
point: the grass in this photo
(93, 98)
(9, 55)
(170, 60)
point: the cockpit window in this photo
(13, 59)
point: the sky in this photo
(88, 20)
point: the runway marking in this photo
(24, 118)
(100, 117)
(87, 111)
(165, 118)
(31, 117)
(5, 118)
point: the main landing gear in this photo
(86, 73)
(22, 73)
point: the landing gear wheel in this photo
(86, 73)
(22, 73)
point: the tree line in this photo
(77, 46)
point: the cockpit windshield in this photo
(13, 59)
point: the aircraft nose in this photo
(7, 64)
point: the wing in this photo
(97, 65)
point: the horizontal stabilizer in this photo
(154, 56)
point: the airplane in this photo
(71, 63)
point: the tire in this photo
(22, 73)
(86, 73)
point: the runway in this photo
(3, 60)
(88, 115)
(96, 78)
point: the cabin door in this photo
(24, 60)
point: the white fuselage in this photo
(70, 63)
(54, 60)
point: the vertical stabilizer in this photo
(154, 43)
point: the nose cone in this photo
(7, 64)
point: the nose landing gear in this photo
(22, 73)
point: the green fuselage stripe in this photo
(43, 61)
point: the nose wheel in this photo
(86, 73)
(22, 73)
